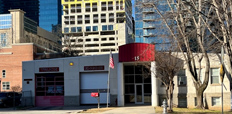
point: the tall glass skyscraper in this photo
(31, 7)
(49, 14)
(148, 24)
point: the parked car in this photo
(7, 99)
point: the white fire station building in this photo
(70, 81)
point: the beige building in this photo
(16, 28)
(185, 92)
(96, 27)
(21, 40)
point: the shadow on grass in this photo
(191, 111)
(200, 113)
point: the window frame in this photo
(212, 99)
(3, 39)
(3, 73)
(110, 27)
(66, 30)
(79, 29)
(182, 76)
(212, 75)
(88, 27)
(95, 28)
(5, 85)
(105, 28)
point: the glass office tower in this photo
(49, 14)
(31, 7)
(148, 24)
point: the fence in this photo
(27, 99)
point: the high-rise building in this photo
(96, 26)
(29, 6)
(49, 14)
(148, 23)
(46, 13)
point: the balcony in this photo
(148, 10)
(150, 18)
(149, 35)
(149, 27)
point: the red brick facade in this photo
(11, 62)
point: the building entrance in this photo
(139, 94)
(137, 80)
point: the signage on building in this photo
(93, 67)
(49, 69)
(137, 52)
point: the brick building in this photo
(21, 40)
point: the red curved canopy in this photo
(137, 52)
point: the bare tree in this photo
(16, 88)
(70, 46)
(191, 37)
(218, 22)
(167, 66)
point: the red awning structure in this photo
(137, 52)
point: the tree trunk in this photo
(199, 94)
(170, 96)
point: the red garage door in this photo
(49, 89)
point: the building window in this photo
(195, 101)
(5, 85)
(103, 18)
(66, 30)
(216, 101)
(3, 40)
(182, 78)
(73, 29)
(103, 39)
(88, 28)
(3, 73)
(6, 21)
(214, 76)
(104, 27)
(95, 28)
(201, 74)
(79, 29)
(110, 27)
(182, 102)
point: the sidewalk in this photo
(78, 109)
(132, 110)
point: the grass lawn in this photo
(191, 111)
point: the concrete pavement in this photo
(132, 110)
(78, 109)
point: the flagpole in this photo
(111, 65)
(108, 87)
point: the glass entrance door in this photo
(139, 94)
